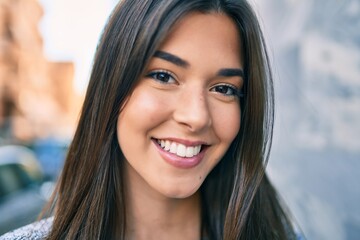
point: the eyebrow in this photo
(171, 58)
(225, 72)
(231, 72)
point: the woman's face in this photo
(184, 113)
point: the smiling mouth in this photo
(179, 149)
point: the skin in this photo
(189, 101)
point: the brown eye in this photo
(226, 90)
(162, 77)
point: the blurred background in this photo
(315, 163)
(46, 51)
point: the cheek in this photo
(142, 109)
(137, 117)
(227, 122)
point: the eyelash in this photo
(235, 91)
(158, 74)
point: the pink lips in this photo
(179, 162)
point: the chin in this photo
(180, 192)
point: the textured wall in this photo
(315, 47)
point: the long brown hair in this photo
(237, 199)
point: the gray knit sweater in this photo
(34, 231)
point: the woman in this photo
(175, 130)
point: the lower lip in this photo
(179, 162)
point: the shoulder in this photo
(34, 231)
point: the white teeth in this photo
(197, 150)
(167, 145)
(189, 152)
(179, 149)
(173, 148)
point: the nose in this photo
(192, 110)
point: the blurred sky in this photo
(71, 30)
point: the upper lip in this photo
(184, 141)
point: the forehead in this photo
(200, 35)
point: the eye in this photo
(227, 90)
(162, 76)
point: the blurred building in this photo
(36, 95)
